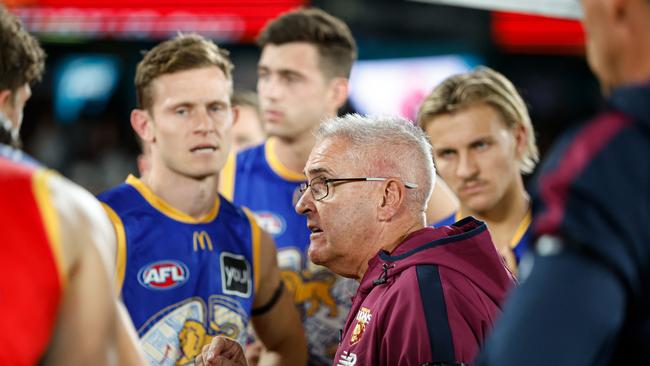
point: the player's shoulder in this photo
(232, 211)
(446, 221)
(72, 198)
(251, 159)
(251, 151)
(80, 215)
(124, 198)
(18, 158)
(114, 194)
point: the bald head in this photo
(618, 41)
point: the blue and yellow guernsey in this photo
(520, 242)
(255, 178)
(183, 280)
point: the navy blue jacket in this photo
(586, 300)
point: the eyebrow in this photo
(288, 72)
(281, 71)
(181, 104)
(481, 139)
(317, 170)
(197, 103)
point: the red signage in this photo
(228, 21)
(537, 34)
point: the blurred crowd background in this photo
(78, 118)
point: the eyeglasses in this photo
(320, 185)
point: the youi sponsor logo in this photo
(235, 275)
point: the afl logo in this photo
(163, 275)
(270, 222)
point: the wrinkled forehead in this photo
(331, 157)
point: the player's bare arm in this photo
(85, 330)
(287, 341)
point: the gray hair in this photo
(387, 146)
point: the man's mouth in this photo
(204, 149)
(314, 229)
(272, 115)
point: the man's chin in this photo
(315, 254)
(480, 204)
(282, 132)
(203, 174)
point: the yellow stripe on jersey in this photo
(227, 177)
(169, 210)
(277, 166)
(120, 258)
(50, 217)
(256, 235)
(521, 229)
(458, 216)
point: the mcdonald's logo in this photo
(201, 239)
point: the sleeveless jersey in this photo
(183, 280)
(255, 178)
(32, 255)
(520, 242)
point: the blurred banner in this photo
(235, 21)
(525, 33)
(533, 26)
(554, 8)
(404, 82)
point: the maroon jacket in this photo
(433, 299)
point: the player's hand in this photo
(221, 351)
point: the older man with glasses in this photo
(425, 295)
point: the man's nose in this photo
(467, 166)
(304, 203)
(203, 121)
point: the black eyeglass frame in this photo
(327, 181)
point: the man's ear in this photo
(393, 197)
(142, 125)
(235, 114)
(5, 98)
(521, 139)
(339, 88)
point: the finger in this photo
(229, 347)
(215, 348)
(205, 348)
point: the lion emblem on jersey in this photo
(311, 288)
(193, 337)
(363, 319)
